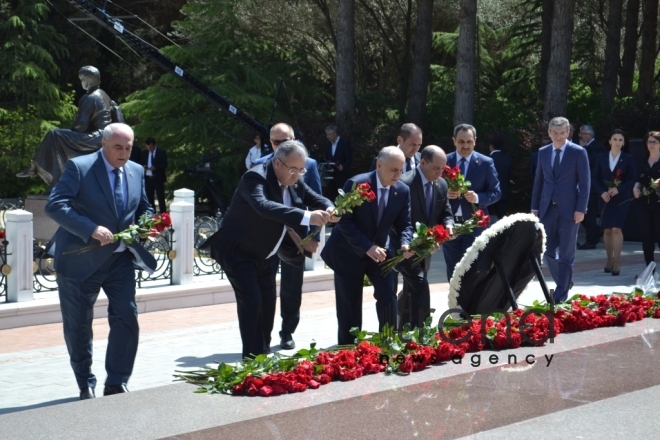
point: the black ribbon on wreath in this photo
(503, 269)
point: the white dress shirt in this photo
(459, 211)
(152, 154)
(334, 146)
(613, 160)
(253, 155)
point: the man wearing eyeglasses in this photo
(293, 262)
(270, 199)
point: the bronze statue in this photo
(60, 145)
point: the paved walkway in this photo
(35, 371)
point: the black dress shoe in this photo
(616, 272)
(87, 393)
(109, 390)
(287, 343)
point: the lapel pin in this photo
(130, 174)
(295, 185)
(395, 193)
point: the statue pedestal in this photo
(44, 227)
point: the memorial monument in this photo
(95, 111)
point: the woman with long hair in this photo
(646, 189)
(613, 178)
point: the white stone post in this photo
(19, 256)
(183, 222)
(316, 256)
(184, 195)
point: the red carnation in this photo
(153, 232)
(2, 235)
(166, 220)
(407, 365)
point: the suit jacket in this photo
(418, 157)
(82, 200)
(482, 176)
(253, 223)
(159, 161)
(342, 154)
(355, 233)
(503, 168)
(288, 249)
(571, 187)
(601, 174)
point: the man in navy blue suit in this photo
(360, 242)
(409, 141)
(99, 195)
(560, 196)
(480, 171)
(293, 262)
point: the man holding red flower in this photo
(483, 191)
(361, 241)
(99, 195)
(430, 206)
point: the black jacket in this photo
(159, 162)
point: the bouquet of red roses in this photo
(478, 219)
(617, 179)
(345, 203)
(455, 180)
(423, 242)
(147, 227)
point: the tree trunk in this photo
(466, 63)
(546, 39)
(649, 49)
(407, 61)
(629, 49)
(559, 70)
(612, 52)
(421, 70)
(345, 79)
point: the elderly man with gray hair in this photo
(361, 242)
(271, 198)
(559, 198)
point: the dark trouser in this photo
(254, 286)
(594, 232)
(335, 184)
(415, 300)
(77, 298)
(348, 295)
(454, 250)
(290, 296)
(561, 238)
(650, 226)
(151, 185)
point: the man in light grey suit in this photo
(559, 199)
(99, 195)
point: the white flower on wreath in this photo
(480, 244)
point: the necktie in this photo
(429, 198)
(119, 196)
(555, 164)
(462, 166)
(408, 164)
(382, 203)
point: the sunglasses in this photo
(278, 141)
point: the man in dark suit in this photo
(99, 195)
(269, 198)
(480, 171)
(292, 261)
(594, 148)
(430, 206)
(409, 142)
(338, 154)
(154, 160)
(560, 196)
(361, 241)
(503, 168)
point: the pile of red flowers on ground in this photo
(403, 354)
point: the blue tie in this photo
(462, 166)
(408, 164)
(555, 164)
(381, 204)
(119, 196)
(429, 199)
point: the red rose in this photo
(266, 391)
(153, 232)
(656, 314)
(484, 221)
(412, 345)
(2, 235)
(166, 220)
(407, 365)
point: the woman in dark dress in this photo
(613, 178)
(650, 196)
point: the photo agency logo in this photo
(447, 321)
